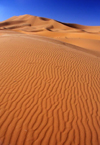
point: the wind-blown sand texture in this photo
(49, 89)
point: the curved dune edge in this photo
(49, 92)
(87, 37)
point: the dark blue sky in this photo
(86, 12)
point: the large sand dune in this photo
(79, 35)
(49, 89)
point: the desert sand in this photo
(49, 82)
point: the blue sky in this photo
(86, 12)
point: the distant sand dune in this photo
(49, 89)
(48, 27)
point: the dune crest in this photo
(70, 33)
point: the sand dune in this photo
(49, 89)
(70, 33)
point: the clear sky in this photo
(86, 12)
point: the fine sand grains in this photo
(49, 93)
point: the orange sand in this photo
(49, 89)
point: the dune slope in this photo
(49, 92)
(87, 37)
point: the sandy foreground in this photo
(49, 82)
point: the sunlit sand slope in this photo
(87, 37)
(49, 92)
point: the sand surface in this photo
(49, 87)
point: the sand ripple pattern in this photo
(49, 93)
